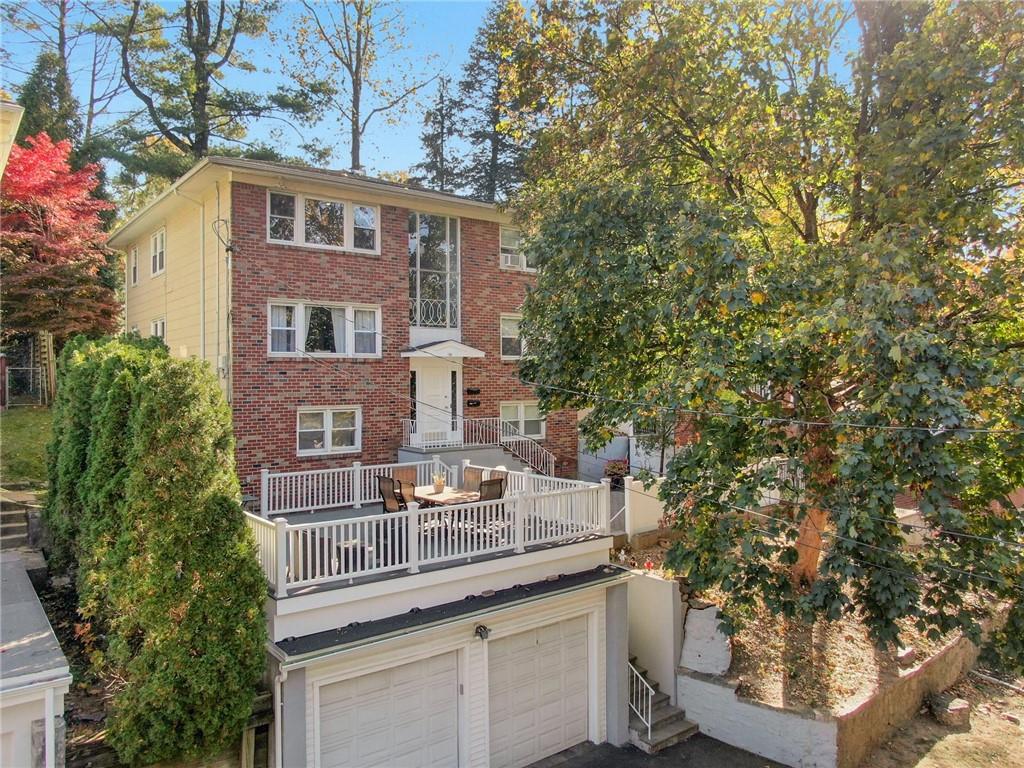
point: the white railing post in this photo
(357, 484)
(412, 531)
(606, 505)
(436, 470)
(281, 556)
(520, 531)
(627, 503)
(528, 481)
(264, 492)
(462, 473)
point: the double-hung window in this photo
(298, 328)
(511, 343)
(337, 429)
(158, 328)
(522, 418)
(133, 266)
(321, 222)
(512, 256)
(157, 252)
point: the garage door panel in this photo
(539, 693)
(404, 717)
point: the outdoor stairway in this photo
(13, 521)
(668, 724)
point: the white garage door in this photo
(403, 717)
(538, 692)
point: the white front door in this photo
(403, 717)
(438, 403)
(539, 692)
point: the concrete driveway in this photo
(697, 752)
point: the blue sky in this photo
(442, 31)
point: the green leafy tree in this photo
(190, 633)
(804, 259)
(493, 170)
(441, 165)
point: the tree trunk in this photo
(356, 134)
(809, 547)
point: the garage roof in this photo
(294, 649)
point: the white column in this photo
(606, 505)
(281, 556)
(357, 484)
(412, 531)
(520, 530)
(627, 499)
(50, 731)
(264, 492)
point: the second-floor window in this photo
(433, 271)
(511, 343)
(297, 328)
(158, 328)
(321, 222)
(512, 256)
(157, 252)
(133, 266)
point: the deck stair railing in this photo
(641, 697)
(469, 433)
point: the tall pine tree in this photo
(49, 104)
(494, 168)
(441, 168)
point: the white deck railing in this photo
(283, 492)
(316, 553)
(469, 433)
(528, 482)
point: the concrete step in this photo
(13, 540)
(14, 526)
(665, 735)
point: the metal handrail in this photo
(480, 432)
(641, 697)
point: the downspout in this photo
(227, 289)
(279, 678)
(217, 358)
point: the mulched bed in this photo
(87, 701)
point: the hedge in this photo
(145, 503)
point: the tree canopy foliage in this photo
(803, 253)
(53, 253)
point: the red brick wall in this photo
(266, 392)
(487, 293)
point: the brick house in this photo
(364, 331)
(334, 308)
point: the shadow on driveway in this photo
(697, 752)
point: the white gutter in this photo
(296, 662)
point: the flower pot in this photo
(438, 486)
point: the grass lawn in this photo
(24, 434)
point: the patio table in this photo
(425, 493)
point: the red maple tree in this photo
(52, 244)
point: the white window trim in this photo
(327, 410)
(133, 265)
(519, 404)
(522, 256)
(299, 317)
(162, 323)
(502, 337)
(162, 234)
(349, 223)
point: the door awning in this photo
(446, 348)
